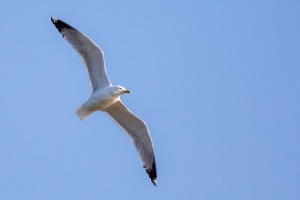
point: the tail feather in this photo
(82, 112)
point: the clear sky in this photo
(218, 83)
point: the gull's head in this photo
(119, 90)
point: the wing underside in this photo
(137, 131)
(91, 55)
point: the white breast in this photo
(101, 99)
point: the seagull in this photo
(105, 97)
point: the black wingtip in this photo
(61, 25)
(152, 173)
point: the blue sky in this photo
(216, 81)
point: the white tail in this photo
(83, 113)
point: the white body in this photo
(99, 100)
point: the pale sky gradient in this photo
(218, 83)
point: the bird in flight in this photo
(105, 97)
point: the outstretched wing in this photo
(137, 131)
(91, 55)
